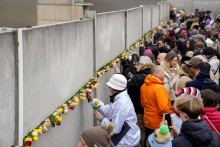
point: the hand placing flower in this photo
(98, 115)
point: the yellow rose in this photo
(95, 86)
(76, 100)
(122, 57)
(39, 131)
(57, 117)
(100, 76)
(61, 110)
(60, 119)
(35, 138)
(27, 139)
(96, 102)
(83, 98)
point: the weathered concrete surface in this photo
(58, 61)
(191, 5)
(115, 5)
(7, 89)
(156, 16)
(161, 6)
(110, 37)
(147, 18)
(134, 25)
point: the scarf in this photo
(112, 97)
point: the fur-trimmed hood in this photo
(145, 66)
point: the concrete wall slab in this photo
(134, 25)
(110, 36)
(156, 17)
(54, 69)
(147, 18)
(7, 89)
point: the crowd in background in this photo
(175, 73)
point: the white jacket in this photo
(214, 62)
(118, 112)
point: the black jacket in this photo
(196, 133)
(134, 85)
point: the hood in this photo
(149, 80)
(202, 76)
(210, 84)
(197, 131)
(145, 66)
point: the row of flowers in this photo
(123, 55)
(55, 118)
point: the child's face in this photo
(218, 107)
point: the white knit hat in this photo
(117, 82)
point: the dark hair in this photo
(204, 67)
(209, 98)
(191, 45)
(181, 35)
(161, 39)
(208, 34)
(202, 32)
(181, 47)
(209, 51)
(218, 98)
(154, 50)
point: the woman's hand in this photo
(117, 71)
(98, 115)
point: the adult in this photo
(208, 40)
(199, 38)
(154, 99)
(157, 36)
(160, 57)
(215, 33)
(134, 86)
(190, 45)
(162, 47)
(181, 47)
(194, 131)
(210, 54)
(171, 70)
(96, 136)
(210, 115)
(183, 30)
(202, 72)
(121, 112)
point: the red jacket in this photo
(213, 116)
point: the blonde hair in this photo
(189, 104)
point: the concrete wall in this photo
(18, 13)
(147, 18)
(134, 25)
(161, 9)
(110, 36)
(156, 16)
(191, 5)
(55, 69)
(57, 61)
(7, 89)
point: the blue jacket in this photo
(198, 83)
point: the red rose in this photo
(72, 107)
(95, 81)
(58, 123)
(117, 62)
(90, 86)
(28, 143)
(111, 66)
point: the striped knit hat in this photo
(188, 91)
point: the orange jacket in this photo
(155, 100)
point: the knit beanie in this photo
(188, 91)
(160, 137)
(98, 136)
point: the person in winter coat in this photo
(129, 68)
(209, 102)
(171, 70)
(194, 131)
(120, 112)
(202, 72)
(96, 136)
(154, 99)
(176, 115)
(210, 54)
(183, 30)
(134, 86)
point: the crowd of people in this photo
(176, 73)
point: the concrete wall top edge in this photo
(134, 8)
(56, 24)
(111, 12)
